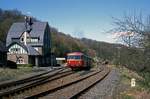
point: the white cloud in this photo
(119, 34)
(29, 13)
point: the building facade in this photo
(29, 43)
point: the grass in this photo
(125, 96)
(128, 92)
(8, 74)
(24, 65)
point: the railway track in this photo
(8, 84)
(17, 86)
(74, 90)
(63, 85)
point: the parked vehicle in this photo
(78, 60)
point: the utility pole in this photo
(129, 41)
(118, 48)
(130, 34)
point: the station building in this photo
(29, 42)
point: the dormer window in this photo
(25, 38)
(34, 39)
(22, 39)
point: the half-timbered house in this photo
(29, 42)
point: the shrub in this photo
(146, 81)
(11, 64)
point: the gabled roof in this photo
(16, 30)
(30, 50)
(19, 43)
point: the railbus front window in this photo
(73, 57)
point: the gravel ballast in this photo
(106, 89)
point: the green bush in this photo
(11, 64)
(146, 80)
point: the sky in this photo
(80, 18)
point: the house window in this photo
(20, 60)
(15, 50)
(34, 40)
(22, 39)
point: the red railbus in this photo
(78, 60)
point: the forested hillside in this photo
(6, 19)
(63, 43)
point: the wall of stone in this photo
(13, 57)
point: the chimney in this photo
(25, 38)
(26, 30)
(26, 22)
(30, 23)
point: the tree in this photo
(134, 31)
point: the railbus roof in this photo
(75, 53)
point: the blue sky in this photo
(91, 18)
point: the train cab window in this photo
(77, 57)
(69, 57)
(73, 57)
(81, 57)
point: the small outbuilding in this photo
(61, 60)
(3, 54)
